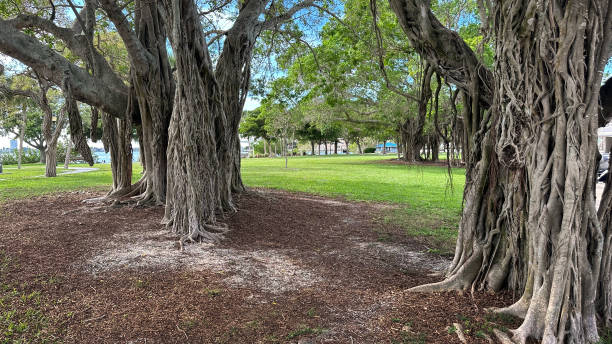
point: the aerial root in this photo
(201, 236)
(459, 332)
(449, 284)
(502, 337)
(517, 309)
(94, 200)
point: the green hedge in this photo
(29, 156)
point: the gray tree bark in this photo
(51, 135)
(150, 95)
(193, 167)
(529, 219)
(22, 128)
(68, 151)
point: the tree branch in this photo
(381, 60)
(443, 48)
(274, 21)
(10, 92)
(107, 93)
(140, 57)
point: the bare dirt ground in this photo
(294, 269)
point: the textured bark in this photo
(193, 166)
(407, 140)
(51, 161)
(151, 92)
(154, 91)
(51, 135)
(117, 140)
(417, 137)
(529, 219)
(435, 147)
(76, 124)
(68, 151)
(233, 73)
(22, 128)
(106, 91)
(43, 156)
(93, 131)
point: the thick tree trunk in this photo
(399, 150)
(312, 150)
(265, 147)
(407, 142)
(68, 151)
(193, 167)
(384, 147)
(435, 147)
(335, 147)
(233, 75)
(153, 89)
(529, 220)
(22, 127)
(325, 147)
(359, 146)
(418, 139)
(151, 92)
(142, 147)
(237, 185)
(76, 124)
(51, 136)
(117, 134)
(51, 161)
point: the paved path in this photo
(73, 170)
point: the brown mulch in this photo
(327, 280)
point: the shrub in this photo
(369, 150)
(29, 156)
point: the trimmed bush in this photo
(29, 156)
(369, 150)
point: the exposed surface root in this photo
(207, 233)
(502, 337)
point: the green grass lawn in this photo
(30, 180)
(360, 178)
(428, 207)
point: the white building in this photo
(604, 138)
